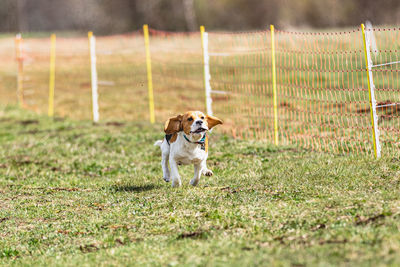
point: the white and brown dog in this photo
(186, 142)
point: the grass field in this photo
(73, 193)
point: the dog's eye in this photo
(202, 117)
(190, 119)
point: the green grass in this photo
(74, 193)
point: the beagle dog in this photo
(186, 142)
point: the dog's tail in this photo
(158, 143)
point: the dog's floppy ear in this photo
(212, 121)
(173, 125)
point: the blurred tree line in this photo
(113, 16)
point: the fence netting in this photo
(321, 81)
(35, 54)
(322, 86)
(8, 73)
(177, 67)
(241, 82)
(72, 77)
(72, 96)
(122, 77)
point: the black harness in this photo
(168, 137)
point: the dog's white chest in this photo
(185, 156)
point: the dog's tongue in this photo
(200, 130)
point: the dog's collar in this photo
(202, 141)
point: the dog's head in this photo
(193, 123)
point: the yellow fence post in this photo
(20, 69)
(149, 76)
(274, 85)
(371, 90)
(52, 74)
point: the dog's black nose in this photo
(199, 122)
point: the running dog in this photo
(186, 142)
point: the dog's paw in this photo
(176, 183)
(208, 172)
(166, 179)
(194, 182)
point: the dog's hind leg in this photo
(175, 178)
(164, 161)
(165, 168)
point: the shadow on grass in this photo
(134, 188)
(193, 235)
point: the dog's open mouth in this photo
(200, 130)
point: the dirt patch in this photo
(387, 109)
(90, 247)
(117, 226)
(367, 110)
(134, 188)
(304, 240)
(34, 131)
(197, 234)
(340, 241)
(68, 232)
(5, 119)
(28, 122)
(222, 97)
(97, 206)
(361, 220)
(338, 106)
(115, 123)
(4, 219)
(229, 190)
(183, 97)
(67, 189)
(58, 119)
(55, 169)
(265, 152)
(23, 160)
(73, 189)
(85, 85)
(286, 105)
(318, 227)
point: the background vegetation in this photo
(112, 16)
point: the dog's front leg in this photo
(197, 174)
(204, 170)
(175, 178)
